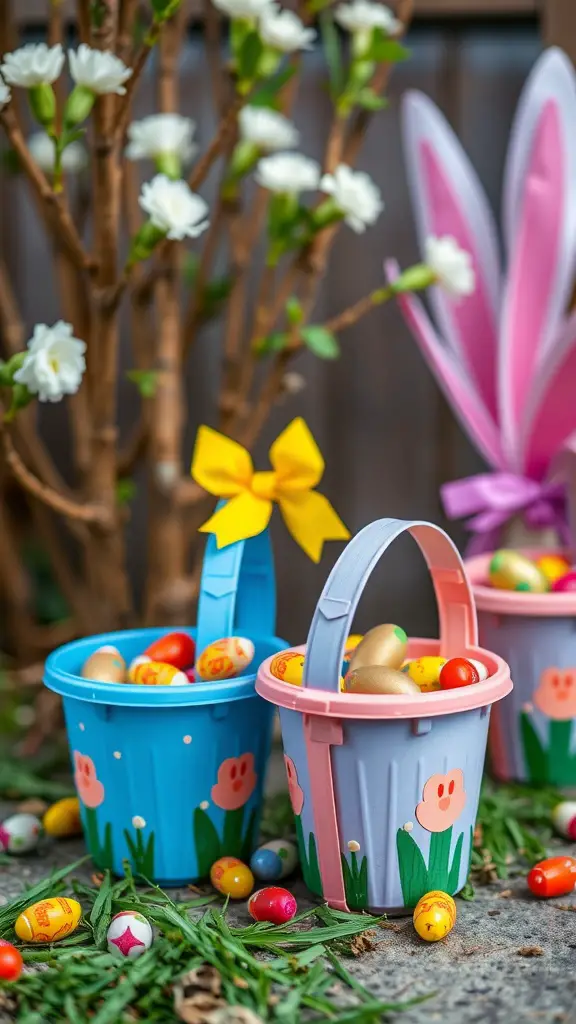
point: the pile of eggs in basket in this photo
(377, 663)
(170, 661)
(512, 570)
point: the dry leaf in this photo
(241, 983)
(505, 894)
(33, 806)
(494, 913)
(197, 995)
(363, 943)
(233, 1015)
(478, 836)
(97, 878)
(392, 926)
(530, 951)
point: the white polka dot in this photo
(204, 805)
(187, 739)
(528, 708)
(408, 826)
(353, 846)
(81, 726)
(117, 755)
(138, 822)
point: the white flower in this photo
(355, 194)
(159, 134)
(451, 265)
(5, 94)
(74, 157)
(267, 129)
(363, 16)
(99, 71)
(174, 208)
(284, 31)
(288, 172)
(54, 364)
(33, 64)
(248, 9)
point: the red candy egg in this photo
(553, 877)
(458, 672)
(177, 649)
(11, 962)
(566, 584)
(272, 904)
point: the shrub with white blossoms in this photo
(182, 228)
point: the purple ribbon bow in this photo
(492, 499)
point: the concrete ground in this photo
(510, 958)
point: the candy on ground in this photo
(129, 935)
(232, 878)
(434, 915)
(273, 904)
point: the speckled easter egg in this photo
(425, 672)
(383, 645)
(20, 833)
(272, 904)
(480, 668)
(553, 567)
(63, 818)
(273, 861)
(106, 665)
(155, 673)
(380, 679)
(564, 819)
(129, 935)
(566, 584)
(225, 658)
(289, 667)
(434, 916)
(48, 920)
(177, 649)
(232, 878)
(509, 570)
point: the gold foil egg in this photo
(106, 665)
(225, 658)
(509, 570)
(63, 818)
(48, 920)
(383, 645)
(380, 679)
(289, 667)
(434, 915)
(425, 672)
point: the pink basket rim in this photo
(388, 706)
(511, 602)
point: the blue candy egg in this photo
(274, 860)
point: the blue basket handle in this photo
(335, 610)
(237, 590)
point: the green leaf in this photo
(455, 866)
(384, 49)
(274, 342)
(101, 912)
(535, 754)
(214, 294)
(412, 867)
(145, 380)
(207, 842)
(266, 95)
(370, 100)
(249, 56)
(125, 490)
(332, 52)
(190, 268)
(97, 13)
(321, 342)
(294, 311)
(164, 9)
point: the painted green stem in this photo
(561, 762)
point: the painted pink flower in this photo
(89, 788)
(443, 800)
(236, 782)
(295, 791)
(556, 693)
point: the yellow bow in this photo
(224, 468)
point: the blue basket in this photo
(171, 778)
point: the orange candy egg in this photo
(225, 658)
(155, 673)
(232, 878)
(289, 667)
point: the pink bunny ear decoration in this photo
(449, 200)
(540, 226)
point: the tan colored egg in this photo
(106, 665)
(509, 570)
(383, 645)
(380, 679)
(225, 658)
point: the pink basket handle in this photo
(335, 610)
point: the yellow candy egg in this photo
(509, 570)
(554, 567)
(434, 915)
(232, 878)
(106, 665)
(63, 818)
(48, 920)
(142, 659)
(157, 673)
(289, 667)
(425, 672)
(352, 643)
(225, 658)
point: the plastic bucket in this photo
(171, 777)
(532, 737)
(385, 788)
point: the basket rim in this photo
(512, 602)
(390, 706)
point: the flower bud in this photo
(144, 243)
(169, 164)
(43, 104)
(78, 106)
(414, 279)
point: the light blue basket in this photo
(171, 778)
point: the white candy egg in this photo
(129, 935)
(20, 833)
(480, 668)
